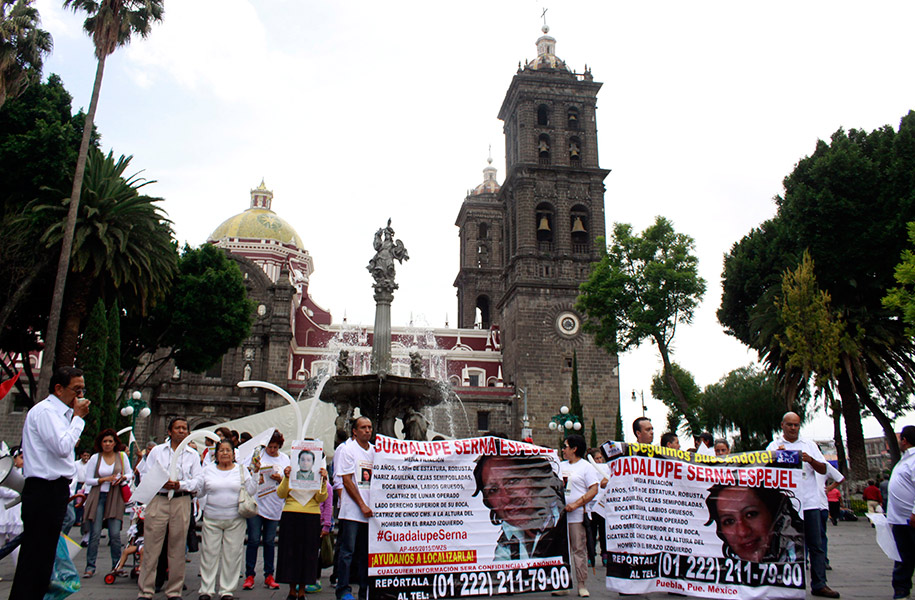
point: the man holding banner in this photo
(351, 461)
(813, 462)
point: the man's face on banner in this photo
(745, 522)
(519, 494)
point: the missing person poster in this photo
(475, 517)
(307, 459)
(704, 526)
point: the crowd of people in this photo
(753, 524)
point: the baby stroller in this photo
(134, 548)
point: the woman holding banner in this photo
(581, 483)
(300, 537)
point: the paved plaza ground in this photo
(860, 572)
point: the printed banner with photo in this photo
(307, 458)
(475, 517)
(702, 525)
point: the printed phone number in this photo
(724, 570)
(488, 583)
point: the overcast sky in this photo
(357, 111)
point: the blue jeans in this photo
(824, 517)
(114, 535)
(352, 559)
(260, 528)
(813, 538)
(902, 571)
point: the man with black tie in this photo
(49, 436)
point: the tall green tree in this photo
(746, 400)
(575, 397)
(206, 313)
(92, 359)
(123, 247)
(643, 287)
(23, 46)
(848, 204)
(111, 24)
(112, 366)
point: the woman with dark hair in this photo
(223, 528)
(581, 483)
(756, 524)
(270, 465)
(300, 536)
(106, 471)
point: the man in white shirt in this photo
(352, 460)
(49, 436)
(169, 514)
(809, 496)
(900, 513)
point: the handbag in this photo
(327, 551)
(247, 506)
(126, 492)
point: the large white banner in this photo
(474, 517)
(704, 526)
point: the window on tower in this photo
(482, 231)
(573, 119)
(578, 225)
(543, 149)
(574, 151)
(545, 226)
(543, 115)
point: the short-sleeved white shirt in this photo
(356, 461)
(808, 489)
(901, 492)
(577, 478)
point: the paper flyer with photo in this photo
(475, 517)
(306, 459)
(704, 526)
(265, 484)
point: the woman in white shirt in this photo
(581, 483)
(106, 471)
(223, 528)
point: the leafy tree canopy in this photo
(642, 288)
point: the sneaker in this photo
(825, 592)
(312, 588)
(584, 593)
(270, 583)
(249, 583)
(347, 597)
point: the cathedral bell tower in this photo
(552, 205)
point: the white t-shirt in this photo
(356, 461)
(808, 488)
(577, 477)
(270, 506)
(221, 488)
(105, 470)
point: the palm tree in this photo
(22, 47)
(111, 23)
(122, 250)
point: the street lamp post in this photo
(565, 422)
(636, 399)
(526, 431)
(135, 407)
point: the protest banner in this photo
(307, 459)
(475, 517)
(704, 526)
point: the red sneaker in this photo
(249, 583)
(270, 583)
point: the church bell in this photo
(544, 224)
(578, 226)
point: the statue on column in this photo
(387, 250)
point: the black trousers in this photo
(44, 505)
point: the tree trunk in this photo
(854, 432)
(892, 443)
(49, 358)
(679, 396)
(837, 435)
(74, 313)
